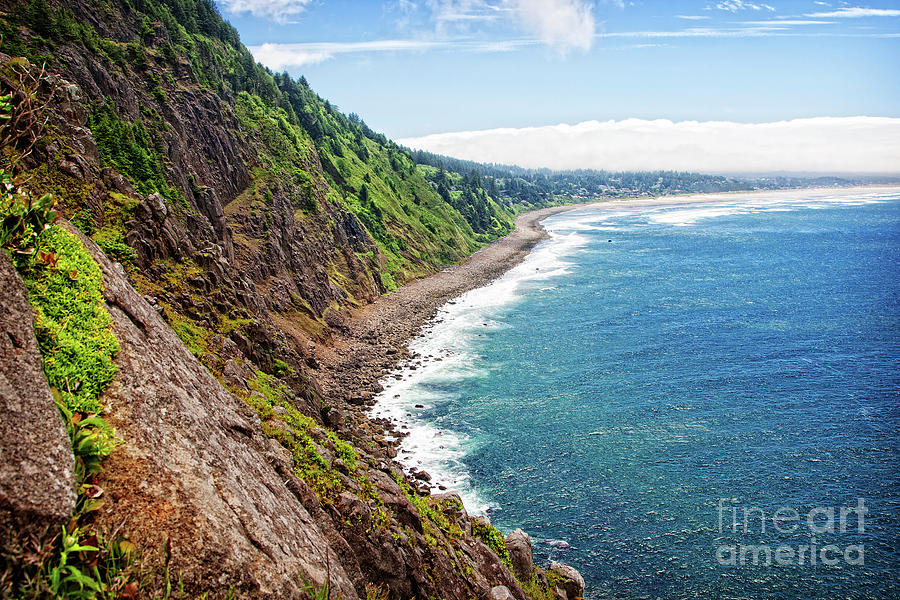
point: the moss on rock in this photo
(73, 327)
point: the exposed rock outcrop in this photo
(571, 582)
(37, 481)
(519, 545)
(249, 273)
(501, 592)
(195, 471)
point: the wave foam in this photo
(681, 216)
(441, 355)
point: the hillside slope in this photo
(213, 201)
(256, 166)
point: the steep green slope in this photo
(183, 43)
(306, 209)
(248, 212)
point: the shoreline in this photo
(372, 342)
(711, 197)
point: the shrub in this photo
(128, 147)
(24, 219)
(493, 539)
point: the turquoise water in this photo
(650, 371)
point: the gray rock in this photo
(519, 545)
(572, 582)
(501, 592)
(37, 480)
(395, 500)
(452, 505)
(193, 469)
(235, 375)
(333, 417)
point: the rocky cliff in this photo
(225, 218)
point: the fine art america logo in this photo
(789, 523)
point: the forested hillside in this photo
(252, 165)
(178, 44)
(517, 187)
(187, 229)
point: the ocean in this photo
(682, 400)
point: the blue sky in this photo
(417, 67)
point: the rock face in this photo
(519, 545)
(37, 481)
(572, 583)
(240, 263)
(195, 471)
(501, 592)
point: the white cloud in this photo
(561, 24)
(770, 29)
(693, 17)
(702, 32)
(736, 5)
(856, 12)
(823, 145)
(281, 56)
(277, 10)
(784, 22)
(449, 14)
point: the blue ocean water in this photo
(652, 375)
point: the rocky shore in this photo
(371, 341)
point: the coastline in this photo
(705, 198)
(372, 341)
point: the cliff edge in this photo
(224, 220)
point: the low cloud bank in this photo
(815, 145)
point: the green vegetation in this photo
(129, 148)
(431, 513)
(24, 219)
(411, 225)
(418, 216)
(536, 588)
(307, 442)
(73, 327)
(195, 337)
(317, 593)
(110, 236)
(522, 189)
(414, 227)
(79, 564)
(379, 181)
(74, 333)
(493, 539)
